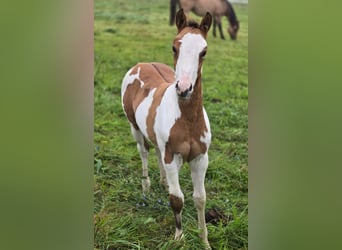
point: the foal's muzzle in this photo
(184, 93)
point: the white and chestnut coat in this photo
(165, 107)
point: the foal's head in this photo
(189, 48)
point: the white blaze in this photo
(187, 63)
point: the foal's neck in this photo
(192, 108)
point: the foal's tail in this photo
(173, 5)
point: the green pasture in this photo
(130, 31)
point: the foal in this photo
(165, 107)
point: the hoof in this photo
(207, 246)
(178, 234)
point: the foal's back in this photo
(144, 83)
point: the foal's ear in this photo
(180, 20)
(206, 23)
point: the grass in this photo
(127, 32)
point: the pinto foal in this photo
(165, 107)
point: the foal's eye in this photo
(203, 53)
(174, 50)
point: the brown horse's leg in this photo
(221, 32)
(214, 28)
(218, 20)
(173, 6)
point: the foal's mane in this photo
(192, 24)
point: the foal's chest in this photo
(186, 142)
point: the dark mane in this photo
(231, 14)
(192, 24)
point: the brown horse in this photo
(217, 8)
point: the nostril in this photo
(177, 87)
(190, 87)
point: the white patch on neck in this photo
(189, 50)
(206, 139)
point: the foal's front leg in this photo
(198, 168)
(175, 192)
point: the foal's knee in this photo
(199, 201)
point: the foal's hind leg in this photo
(143, 148)
(198, 168)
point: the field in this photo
(127, 32)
